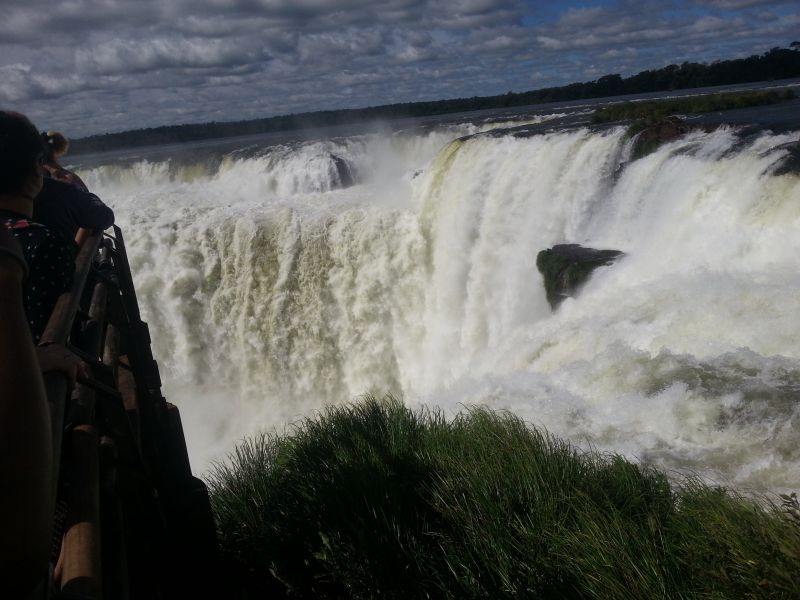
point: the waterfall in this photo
(273, 289)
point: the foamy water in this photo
(270, 292)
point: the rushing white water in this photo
(270, 292)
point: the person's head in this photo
(56, 142)
(21, 154)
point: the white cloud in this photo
(132, 56)
(620, 53)
(14, 82)
(101, 64)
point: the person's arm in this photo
(82, 235)
(25, 443)
(91, 212)
(55, 357)
(52, 277)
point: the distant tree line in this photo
(778, 63)
(653, 111)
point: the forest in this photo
(778, 63)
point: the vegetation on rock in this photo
(651, 112)
(566, 267)
(657, 122)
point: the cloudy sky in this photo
(93, 66)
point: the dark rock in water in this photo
(791, 162)
(566, 267)
(665, 130)
(344, 172)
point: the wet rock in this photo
(566, 267)
(343, 171)
(665, 130)
(791, 162)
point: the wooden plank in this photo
(81, 570)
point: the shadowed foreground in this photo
(374, 500)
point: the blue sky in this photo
(93, 66)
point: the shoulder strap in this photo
(20, 224)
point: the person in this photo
(65, 205)
(57, 145)
(50, 259)
(26, 518)
(25, 443)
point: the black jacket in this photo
(63, 208)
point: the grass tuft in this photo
(374, 500)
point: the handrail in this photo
(63, 315)
(133, 504)
(57, 332)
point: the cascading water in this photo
(271, 291)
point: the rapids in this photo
(271, 292)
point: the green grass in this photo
(653, 111)
(374, 500)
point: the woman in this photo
(50, 259)
(65, 206)
(57, 145)
(35, 267)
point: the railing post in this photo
(57, 332)
(82, 558)
(81, 569)
(132, 499)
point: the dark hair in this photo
(21, 150)
(56, 144)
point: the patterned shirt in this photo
(51, 264)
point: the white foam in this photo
(271, 293)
